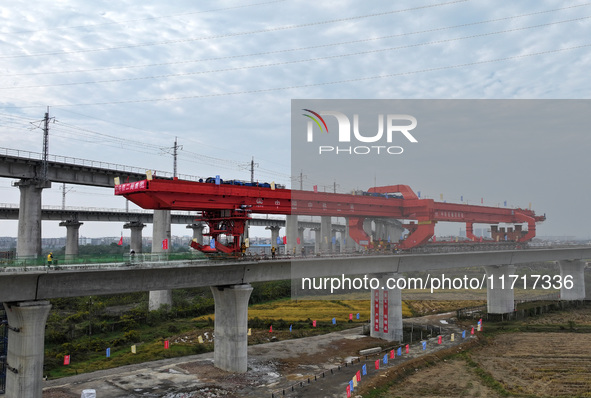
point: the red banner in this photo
(314, 323)
(376, 307)
(358, 374)
(385, 314)
(166, 345)
(66, 359)
(348, 391)
(392, 355)
(407, 347)
(439, 340)
(377, 363)
(165, 244)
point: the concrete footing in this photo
(26, 338)
(499, 295)
(575, 271)
(231, 327)
(386, 312)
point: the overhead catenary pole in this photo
(252, 165)
(45, 144)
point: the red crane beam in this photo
(397, 201)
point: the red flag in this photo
(166, 345)
(472, 331)
(120, 241)
(66, 359)
(350, 317)
(358, 375)
(439, 340)
(285, 240)
(271, 329)
(165, 244)
(407, 347)
(392, 355)
(314, 323)
(348, 391)
(298, 241)
(377, 363)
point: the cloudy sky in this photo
(122, 81)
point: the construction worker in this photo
(273, 251)
(50, 259)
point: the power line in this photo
(374, 51)
(432, 30)
(145, 19)
(237, 34)
(352, 80)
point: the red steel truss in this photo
(226, 208)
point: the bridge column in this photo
(499, 299)
(394, 231)
(197, 232)
(160, 232)
(575, 269)
(325, 234)
(317, 240)
(26, 337)
(301, 244)
(291, 232)
(29, 218)
(386, 311)
(231, 327)
(274, 235)
(72, 237)
(333, 241)
(350, 244)
(136, 235)
(342, 241)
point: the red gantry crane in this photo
(226, 206)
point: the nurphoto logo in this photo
(395, 125)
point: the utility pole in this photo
(64, 192)
(252, 164)
(45, 145)
(174, 155)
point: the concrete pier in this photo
(26, 337)
(325, 234)
(274, 236)
(29, 218)
(575, 270)
(161, 231)
(197, 232)
(72, 237)
(499, 295)
(386, 311)
(136, 235)
(231, 327)
(291, 233)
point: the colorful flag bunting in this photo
(350, 317)
(463, 334)
(271, 329)
(313, 323)
(334, 321)
(452, 336)
(364, 370)
(385, 360)
(120, 241)
(290, 328)
(249, 332)
(358, 375)
(399, 351)
(392, 355)
(348, 391)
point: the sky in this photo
(123, 81)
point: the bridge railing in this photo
(91, 163)
(99, 259)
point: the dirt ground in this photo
(273, 369)
(525, 364)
